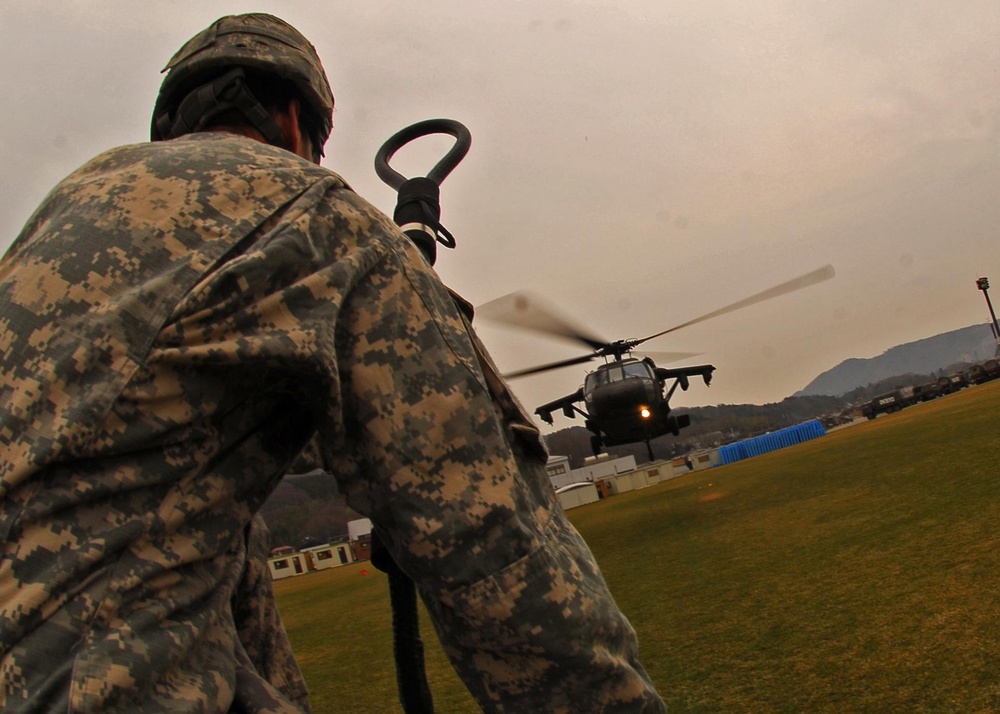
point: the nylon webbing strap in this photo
(208, 101)
(408, 648)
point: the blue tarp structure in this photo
(764, 443)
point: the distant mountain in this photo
(927, 356)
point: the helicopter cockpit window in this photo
(616, 373)
(638, 369)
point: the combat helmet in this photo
(204, 78)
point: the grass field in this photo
(854, 573)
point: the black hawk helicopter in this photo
(627, 399)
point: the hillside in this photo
(927, 356)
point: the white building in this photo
(557, 466)
(577, 494)
(331, 555)
(287, 564)
(595, 469)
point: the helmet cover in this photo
(256, 41)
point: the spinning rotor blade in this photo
(551, 365)
(667, 357)
(662, 357)
(528, 311)
(803, 281)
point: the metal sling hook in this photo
(418, 205)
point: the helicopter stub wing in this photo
(681, 374)
(567, 404)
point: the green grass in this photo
(853, 573)
(339, 622)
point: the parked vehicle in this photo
(957, 381)
(983, 371)
(932, 390)
(889, 402)
(908, 396)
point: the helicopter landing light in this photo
(645, 413)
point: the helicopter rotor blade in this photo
(667, 357)
(803, 281)
(550, 366)
(528, 311)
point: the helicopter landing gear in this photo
(649, 450)
(596, 442)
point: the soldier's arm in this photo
(458, 490)
(455, 482)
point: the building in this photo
(577, 494)
(595, 468)
(331, 555)
(557, 466)
(286, 562)
(696, 461)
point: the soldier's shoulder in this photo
(196, 156)
(222, 170)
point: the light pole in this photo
(984, 285)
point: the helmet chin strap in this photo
(208, 101)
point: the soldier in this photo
(179, 318)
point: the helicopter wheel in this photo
(596, 444)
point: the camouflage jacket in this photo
(177, 320)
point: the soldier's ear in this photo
(293, 138)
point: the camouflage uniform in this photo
(178, 320)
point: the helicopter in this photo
(627, 399)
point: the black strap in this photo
(408, 648)
(206, 102)
(418, 214)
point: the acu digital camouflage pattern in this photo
(254, 40)
(177, 320)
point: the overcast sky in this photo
(638, 164)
